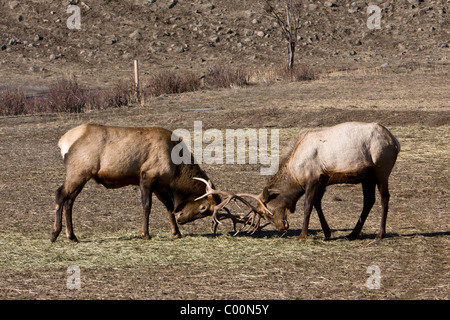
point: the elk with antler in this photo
(250, 221)
(118, 156)
(350, 152)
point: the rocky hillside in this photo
(36, 45)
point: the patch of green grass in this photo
(124, 249)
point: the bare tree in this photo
(288, 22)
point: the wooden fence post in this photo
(136, 81)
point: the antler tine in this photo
(251, 220)
(209, 188)
(208, 183)
(255, 197)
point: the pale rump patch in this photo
(69, 138)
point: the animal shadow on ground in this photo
(318, 233)
(292, 233)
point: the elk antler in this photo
(252, 219)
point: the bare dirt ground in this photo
(398, 76)
(115, 263)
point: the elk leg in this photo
(310, 196)
(384, 191)
(68, 204)
(174, 226)
(58, 217)
(146, 198)
(69, 226)
(145, 186)
(369, 199)
(166, 199)
(318, 206)
(65, 197)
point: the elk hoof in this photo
(146, 237)
(380, 235)
(176, 235)
(54, 236)
(72, 238)
(352, 236)
(302, 236)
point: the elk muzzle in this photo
(181, 217)
(281, 225)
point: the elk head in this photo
(193, 210)
(279, 204)
(251, 220)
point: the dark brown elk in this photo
(118, 156)
(350, 152)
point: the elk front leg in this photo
(167, 200)
(318, 206)
(310, 196)
(173, 225)
(323, 221)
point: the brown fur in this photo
(119, 156)
(351, 152)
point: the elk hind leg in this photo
(384, 192)
(369, 199)
(145, 186)
(65, 197)
(57, 226)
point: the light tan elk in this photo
(118, 156)
(350, 152)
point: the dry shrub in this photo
(167, 82)
(220, 76)
(119, 94)
(299, 72)
(12, 102)
(65, 96)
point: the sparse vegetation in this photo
(225, 77)
(167, 82)
(65, 95)
(396, 75)
(298, 72)
(116, 263)
(69, 95)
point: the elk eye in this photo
(203, 208)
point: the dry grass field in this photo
(116, 264)
(397, 75)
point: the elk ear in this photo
(269, 193)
